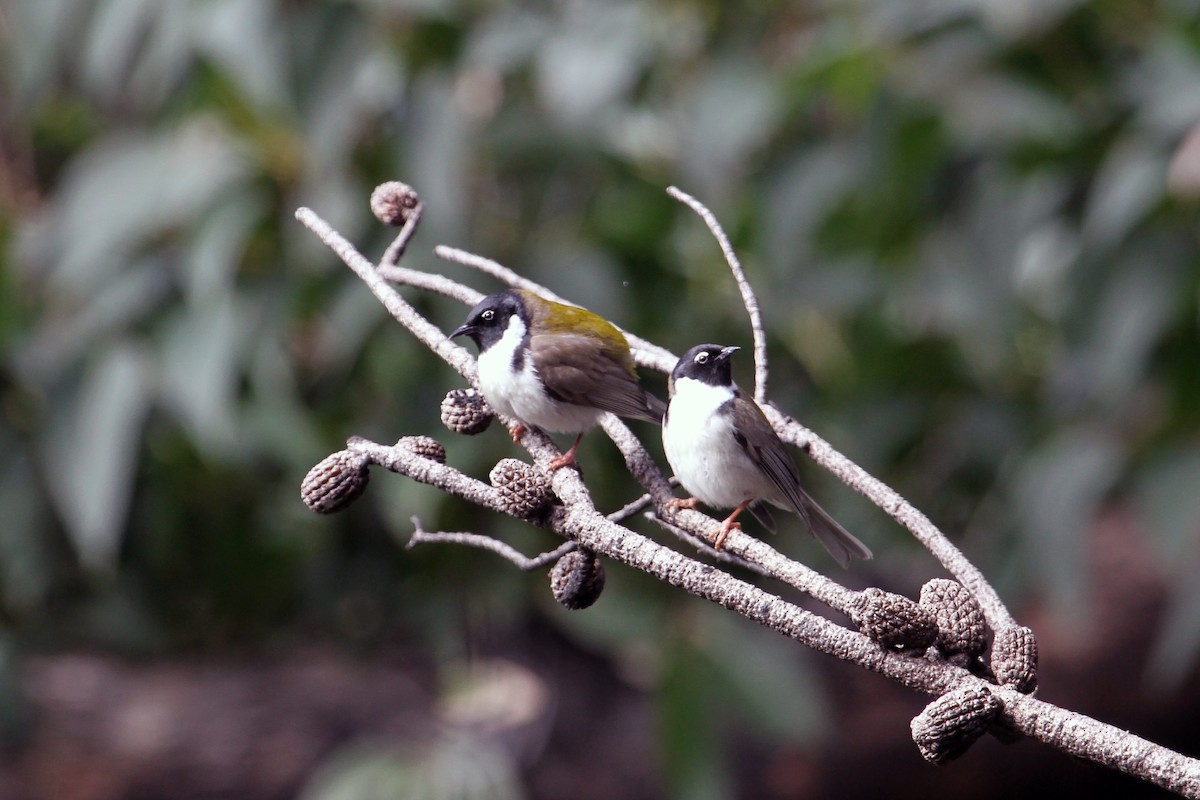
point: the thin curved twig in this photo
(749, 299)
(701, 544)
(502, 549)
(396, 249)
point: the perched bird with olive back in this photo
(727, 455)
(554, 366)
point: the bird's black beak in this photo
(461, 330)
(726, 352)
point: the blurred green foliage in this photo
(973, 227)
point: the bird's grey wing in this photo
(575, 371)
(764, 447)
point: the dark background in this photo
(973, 227)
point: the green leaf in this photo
(1168, 495)
(1057, 490)
(91, 460)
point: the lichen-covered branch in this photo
(939, 645)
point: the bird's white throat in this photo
(696, 402)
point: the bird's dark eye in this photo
(487, 315)
(702, 358)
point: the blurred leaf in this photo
(90, 462)
(358, 83)
(690, 742)
(724, 116)
(202, 354)
(450, 767)
(1056, 491)
(62, 338)
(244, 37)
(134, 50)
(987, 110)
(211, 262)
(1129, 321)
(1168, 495)
(47, 30)
(592, 59)
(164, 182)
(506, 39)
(26, 566)
(1174, 654)
(1130, 181)
(1163, 85)
(765, 676)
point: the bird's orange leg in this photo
(729, 524)
(516, 432)
(567, 459)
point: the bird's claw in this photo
(723, 532)
(676, 503)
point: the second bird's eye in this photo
(487, 315)
(702, 358)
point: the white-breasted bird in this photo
(553, 366)
(726, 454)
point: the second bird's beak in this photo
(461, 330)
(726, 352)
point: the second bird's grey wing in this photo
(575, 371)
(765, 448)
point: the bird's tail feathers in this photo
(840, 543)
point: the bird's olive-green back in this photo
(552, 317)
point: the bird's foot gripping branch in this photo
(956, 642)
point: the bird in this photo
(726, 454)
(554, 366)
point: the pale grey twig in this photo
(634, 506)
(629, 509)
(522, 562)
(439, 284)
(700, 543)
(404, 461)
(396, 249)
(425, 331)
(749, 300)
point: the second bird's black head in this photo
(707, 363)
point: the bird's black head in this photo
(488, 320)
(707, 363)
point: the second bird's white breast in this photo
(702, 450)
(520, 393)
